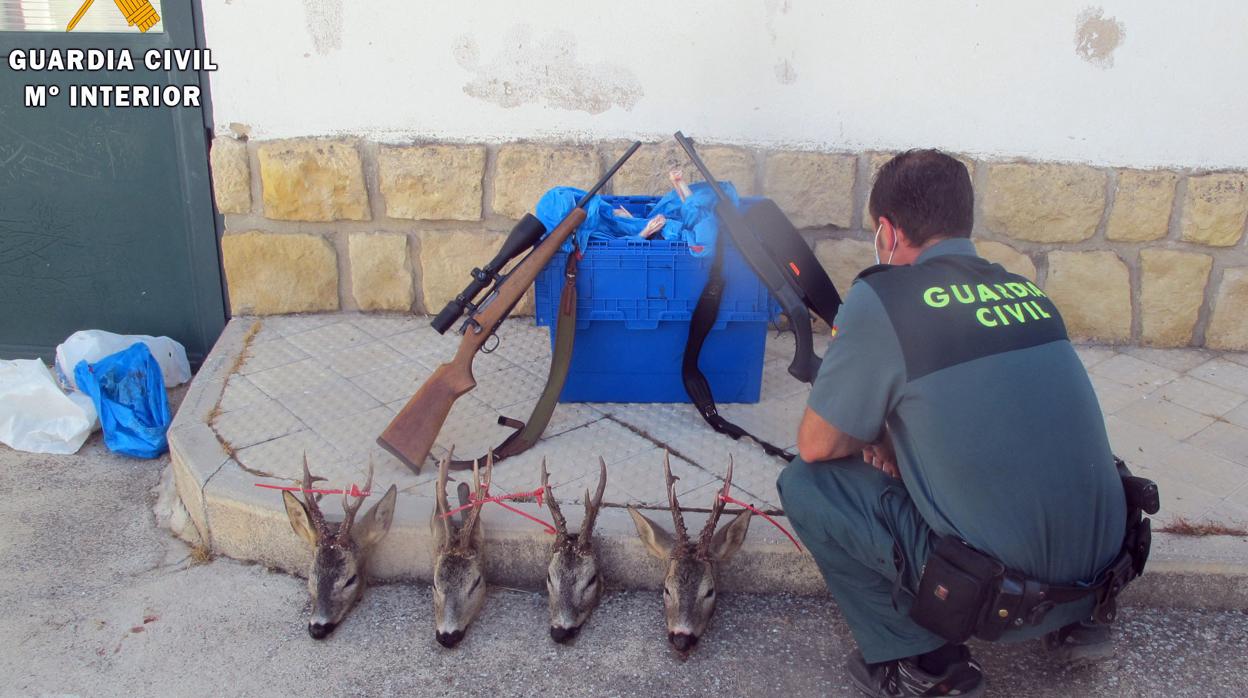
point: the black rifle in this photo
(805, 363)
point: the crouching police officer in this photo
(954, 476)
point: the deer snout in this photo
(562, 635)
(451, 639)
(319, 631)
(683, 642)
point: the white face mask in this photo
(876, 245)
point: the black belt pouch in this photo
(958, 582)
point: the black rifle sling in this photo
(696, 385)
(527, 433)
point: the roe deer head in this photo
(340, 551)
(458, 584)
(689, 591)
(573, 585)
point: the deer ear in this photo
(300, 520)
(656, 540)
(728, 540)
(376, 522)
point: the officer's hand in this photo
(881, 455)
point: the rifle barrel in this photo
(605, 178)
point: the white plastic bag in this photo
(35, 415)
(93, 345)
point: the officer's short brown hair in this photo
(926, 193)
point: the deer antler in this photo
(717, 508)
(682, 535)
(556, 516)
(479, 493)
(592, 506)
(349, 508)
(309, 499)
(440, 494)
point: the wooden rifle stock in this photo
(412, 432)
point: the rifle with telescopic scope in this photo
(411, 434)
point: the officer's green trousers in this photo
(859, 524)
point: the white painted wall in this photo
(995, 79)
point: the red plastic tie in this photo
(696, 248)
(500, 500)
(354, 491)
(733, 500)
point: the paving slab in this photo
(275, 389)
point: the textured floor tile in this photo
(1201, 469)
(363, 358)
(432, 349)
(1173, 420)
(1179, 499)
(266, 333)
(1238, 416)
(507, 387)
(292, 379)
(1239, 500)
(380, 326)
(567, 415)
(240, 392)
(1092, 354)
(1134, 372)
(1228, 512)
(287, 325)
(1113, 395)
(279, 352)
(328, 401)
(1224, 374)
(256, 423)
(1180, 360)
(397, 382)
(283, 458)
(1136, 444)
(774, 420)
(777, 383)
(1200, 396)
(639, 479)
(1224, 439)
(522, 343)
(355, 436)
(577, 450)
(1240, 358)
(329, 339)
(471, 428)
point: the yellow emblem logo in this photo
(138, 13)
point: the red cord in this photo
(354, 491)
(773, 522)
(499, 500)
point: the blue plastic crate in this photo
(634, 302)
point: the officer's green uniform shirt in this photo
(999, 436)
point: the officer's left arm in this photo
(818, 439)
(858, 384)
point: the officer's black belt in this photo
(964, 592)
(527, 433)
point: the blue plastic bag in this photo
(129, 394)
(692, 220)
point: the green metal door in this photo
(106, 217)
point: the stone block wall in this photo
(1151, 257)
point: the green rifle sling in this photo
(528, 432)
